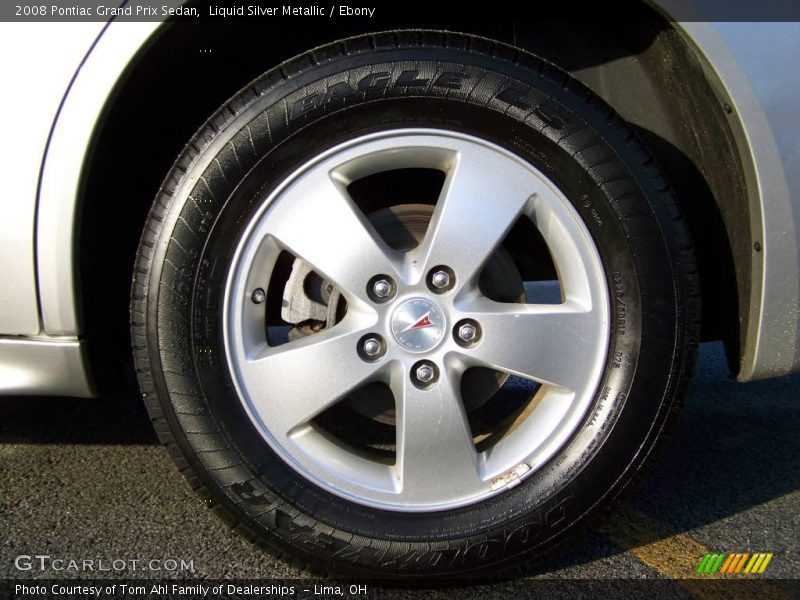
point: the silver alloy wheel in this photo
(562, 346)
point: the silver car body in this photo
(53, 123)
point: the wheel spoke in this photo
(554, 344)
(277, 379)
(318, 222)
(482, 197)
(435, 449)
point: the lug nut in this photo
(382, 288)
(372, 347)
(467, 332)
(258, 296)
(425, 373)
(440, 279)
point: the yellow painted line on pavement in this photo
(676, 556)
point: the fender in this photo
(770, 151)
(68, 151)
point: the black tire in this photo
(323, 97)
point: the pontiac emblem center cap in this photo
(418, 325)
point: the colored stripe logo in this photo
(734, 563)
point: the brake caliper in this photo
(309, 302)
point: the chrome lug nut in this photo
(467, 332)
(372, 347)
(258, 296)
(425, 373)
(440, 279)
(382, 288)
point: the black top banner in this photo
(273, 11)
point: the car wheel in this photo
(414, 305)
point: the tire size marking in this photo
(586, 202)
(620, 309)
(599, 406)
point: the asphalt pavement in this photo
(87, 478)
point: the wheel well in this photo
(160, 102)
(652, 77)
